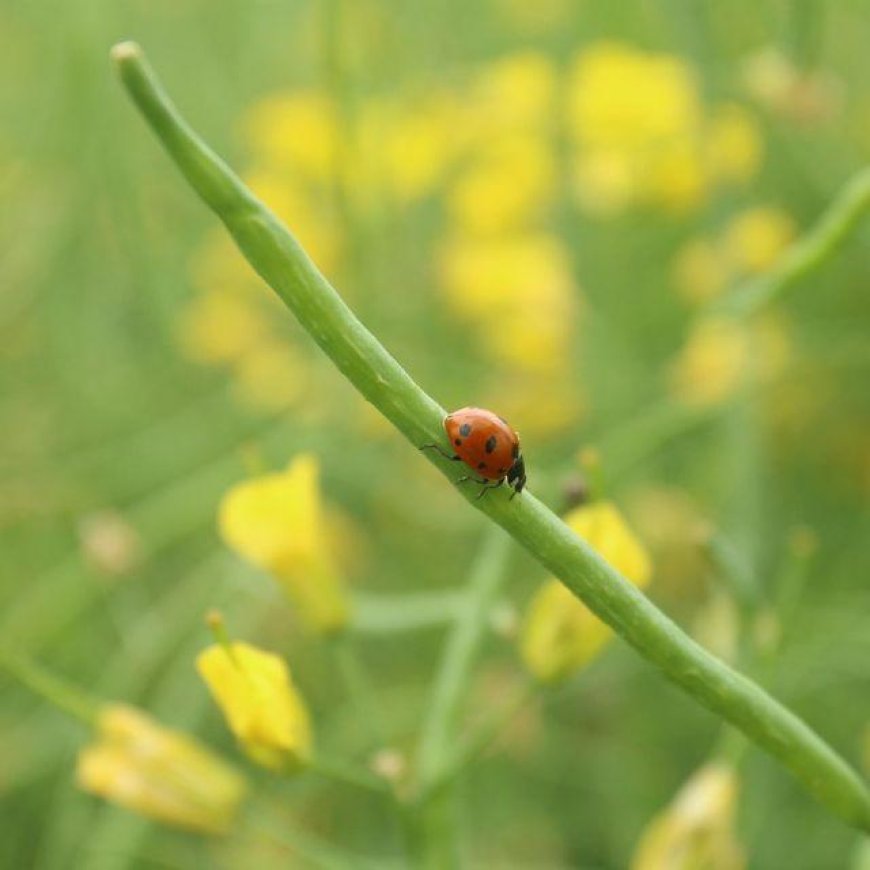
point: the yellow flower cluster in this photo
(278, 522)
(697, 829)
(254, 690)
(560, 634)
(159, 773)
(503, 272)
(643, 136)
(232, 325)
(721, 355)
(749, 245)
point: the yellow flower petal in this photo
(159, 773)
(560, 634)
(276, 521)
(696, 829)
(254, 690)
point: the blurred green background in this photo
(516, 243)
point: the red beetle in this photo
(487, 444)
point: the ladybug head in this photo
(516, 476)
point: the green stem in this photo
(357, 685)
(807, 253)
(57, 691)
(349, 774)
(485, 735)
(438, 815)
(281, 262)
(451, 683)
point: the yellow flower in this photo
(220, 326)
(527, 279)
(605, 180)
(271, 376)
(508, 183)
(419, 147)
(734, 144)
(254, 690)
(623, 97)
(159, 773)
(712, 364)
(701, 271)
(560, 634)
(721, 355)
(218, 266)
(276, 521)
(697, 829)
(516, 92)
(296, 131)
(755, 239)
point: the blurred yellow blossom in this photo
(734, 144)
(257, 696)
(644, 136)
(298, 130)
(271, 376)
(515, 92)
(159, 773)
(218, 266)
(672, 524)
(220, 326)
(713, 362)
(508, 183)
(697, 829)
(624, 98)
(722, 354)
(605, 182)
(276, 521)
(560, 634)
(518, 293)
(750, 244)
(756, 238)
(701, 271)
(483, 276)
(419, 147)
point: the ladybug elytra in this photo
(488, 445)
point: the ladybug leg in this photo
(442, 451)
(465, 478)
(487, 487)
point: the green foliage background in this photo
(99, 409)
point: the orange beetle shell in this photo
(483, 441)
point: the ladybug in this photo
(488, 445)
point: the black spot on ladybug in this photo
(458, 441)
(465, 430)
(516, 450)
(490, 443)
(481, 465)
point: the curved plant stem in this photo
(65, 696)
(277, 257)
(487, 575)
(438, 820)
(808, 252)
(349, 774)
(485, 735)
(357, 685)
